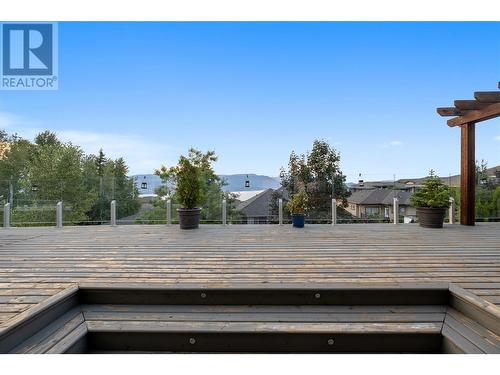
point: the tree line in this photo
(34, 175)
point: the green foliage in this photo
(197, 167)
(318, 173)
(155, 215)
(487, 193)
(39, 215)
(298, 203)
(47, 138)
(126, 195)
(108, 179)
(434, 193)
(187, 176)
(48, 170)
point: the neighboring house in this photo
(393, 185)
(369, 203)
(4, 148)
(255, 210)
(243, 196)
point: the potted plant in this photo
(187, 177)
(297, 206)
(431, 202)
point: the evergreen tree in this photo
(126, 193)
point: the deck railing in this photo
(35, 204)
(171, 217)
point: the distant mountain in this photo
(452, 180)
(448, 180)
(148, 183)
(236, 182)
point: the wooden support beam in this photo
(487, 113)
(467, 175)
(487, 96)
(469, 104)
(450, 111)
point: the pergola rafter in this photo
(485, 106)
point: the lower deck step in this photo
(344, 320)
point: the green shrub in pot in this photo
(188, 180)
(297, 206)
(431, 202)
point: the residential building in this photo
(255, 210)
(379, 203)
(402, 185)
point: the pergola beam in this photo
(487, 96)
(487, 113)
(450, 111)
(470, 104)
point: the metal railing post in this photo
(59, 215)
(169, 212)
(334, 211)
(280, 211)
(451, 212)
(113, 213)
(224, 212)
(396, 210)
(6, 215)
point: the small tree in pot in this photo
(297, 206)
(187, 177)
(431, 202)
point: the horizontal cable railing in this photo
(34, 203)
(58, 214)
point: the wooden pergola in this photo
(485, 106)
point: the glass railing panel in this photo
(27, 213)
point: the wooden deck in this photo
(36, 263)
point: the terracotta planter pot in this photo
(431, 217)
(189, 218)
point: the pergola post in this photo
(467, 175)
(485, 106)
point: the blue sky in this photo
(256, 91)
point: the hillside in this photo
(236, 182)
(449, 180)
(148, 183)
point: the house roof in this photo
(243, 196)
(403, 196)
(379, 197)
(400, 185)
(258, 205)
(359, 196)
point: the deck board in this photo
(36, 263)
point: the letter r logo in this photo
(27, 49)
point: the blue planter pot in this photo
(298, 221)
